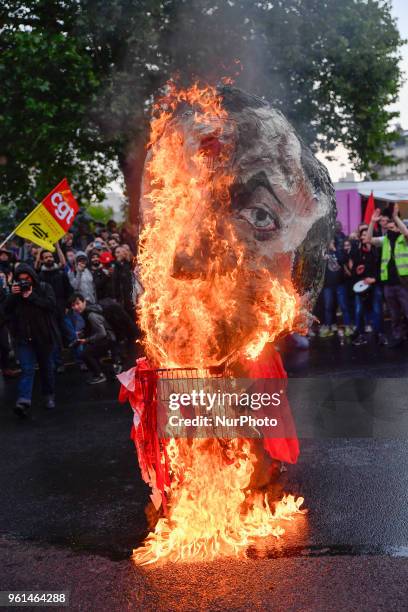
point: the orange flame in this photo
(208, 517)
(207, 296)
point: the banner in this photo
(51, 219)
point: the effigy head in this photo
(236, 216)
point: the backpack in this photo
(118, 319)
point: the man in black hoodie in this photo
(98, 337)
(31, 307)
(54, 274)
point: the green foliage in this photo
(78, 78)
(331, 66)
(46, 130)
(100, 213)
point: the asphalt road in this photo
(72, 510)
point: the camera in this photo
(25, 285)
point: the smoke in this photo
(210, 40)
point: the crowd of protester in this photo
(77, 303)
(376, 257)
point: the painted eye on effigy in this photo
(264, 221)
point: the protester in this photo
(102, 271)
(82, 237)
(112, 244)
(67, 242)
(366, 267)
(380, 228)
(31, 307)
(81, 279)
(128, 235)
(123, 325)
(6, 261)
(112, 226)
(104, 234)
(54, 274)
(123, 280)
(335, 287)
(394, 270)
(98, 337)
(339, 235)
(69, 260)
(5, 340)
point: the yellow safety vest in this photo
(400, 255)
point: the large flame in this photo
(213, 513)
(208, 296)
(207, 292)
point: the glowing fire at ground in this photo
(206, 290)
(212, 512)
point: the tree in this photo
(46, 131)
(79, 77)
(332, 67)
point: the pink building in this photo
(351, 199)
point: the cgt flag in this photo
(51, 219)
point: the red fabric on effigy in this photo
(139, 388)
(269, 366)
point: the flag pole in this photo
(15, 230)
(8, 238)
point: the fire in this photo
(208, 296)
(213, 514)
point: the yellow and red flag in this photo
(51, 219)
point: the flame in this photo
(207, 292)
(213, 514)
(208, 295)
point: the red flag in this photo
(369, 209)
(61, 205)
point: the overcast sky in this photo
(400, 11)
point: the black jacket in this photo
(96, 326)
(33, 319)
(103, 284)
(58, 280)
(334, 274)
(3, 297)
(371, 261)
(123, 284)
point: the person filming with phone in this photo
(31, 308)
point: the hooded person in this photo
(97, 338)
(81, 279)
(31, 308)
(6, 261)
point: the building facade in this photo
(399, 151)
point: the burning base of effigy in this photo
(236, 216)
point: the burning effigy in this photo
(236, 215)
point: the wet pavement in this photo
(73, 509)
